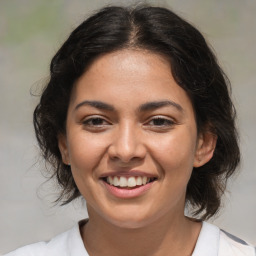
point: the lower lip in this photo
(128, 193)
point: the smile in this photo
(128, 187)
(128, 182)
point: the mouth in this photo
(130, 182)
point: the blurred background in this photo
(31, 31)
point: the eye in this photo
(160, 122)
(95, 122)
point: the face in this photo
(131, 139)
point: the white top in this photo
(211, 242)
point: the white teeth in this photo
(116, 181)
(130, 182)
(110, 180)
(123, 182)
(144, 180)
(139, 181)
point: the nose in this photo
(127, 144)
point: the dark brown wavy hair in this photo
(194, 67)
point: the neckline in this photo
(207, 242)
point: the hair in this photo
(193, 66)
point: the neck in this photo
(169, 236)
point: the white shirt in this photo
(211, 242)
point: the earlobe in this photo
(205, 148)
(62, 143)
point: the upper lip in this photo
(131, 173)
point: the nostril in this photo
(127, 152)
(123, 163)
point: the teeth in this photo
(144, 180)
(110, 180)
(139, 181)
(130, 182)
(116, 181)
(123, 182)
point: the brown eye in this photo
(95, 122)
(160, 121)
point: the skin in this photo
(161, 141)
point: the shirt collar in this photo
(75, 243)
(208, 241)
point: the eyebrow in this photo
(159, 104)
(143, 108)
(96, 104)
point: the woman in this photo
(138, 120)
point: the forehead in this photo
(130, 76)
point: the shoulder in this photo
(67, 243)
(215, 242)
(232, 245)
(29, 250)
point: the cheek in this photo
(177, 151)
(85, 152)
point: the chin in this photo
(131, 219)
(131, 223)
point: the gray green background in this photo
(30, 33)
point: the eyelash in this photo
(98, 122)
(89, 122)
(164, 122)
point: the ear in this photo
(205, 148)
(62, 143)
